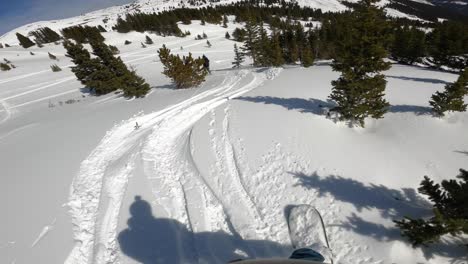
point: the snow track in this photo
(180, 192)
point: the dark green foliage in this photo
(451, 99)
(185, 72)
(114, 50)
(208, 44)
(51, 56)
(163, 23)
(25, 42)
(127, 42)
(307, 57)
(83, 34)
(4, 66)
(32, 53)
(227, 36)
(45, 35)
(450, 211)
(360, 89)
(55, 68)
(101, 29)
(448, 44)
(238, 57)
(104, 73)
(204, 35)
(409, 45)
(239, 34)
(148, 40)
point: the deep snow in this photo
(212, 171)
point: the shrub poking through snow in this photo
(450, 211)
(204, 35)
(4, 66)
(25, 42)
(32, 53)
(451, 99)
(208, 44)
(143, 45)
(52, 56)
(359, 91)
(1, 46)
(227, 36)
(185, 72)
(55, 68)
(148, 40)
(127, 42)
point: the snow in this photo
(208, 176)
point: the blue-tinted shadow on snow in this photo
(392, 204)
(416, 79)
(320, 107)
(151, 240)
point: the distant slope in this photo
(429, 10)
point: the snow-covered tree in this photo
(451, 99)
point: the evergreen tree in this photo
(205, 36)
(44, 35)
(360, 89)
(148, 40)
(450, 211)
(127, 42)
(239, 34)
(128, 81)
(238, 57)
(451, 99)
(32, 53)
(227, 36)
(277, 58)
(307, 57)
(185, 72)
(208, 44)
(1, 46)
(251, 39)
(25, 42)
(408, 45)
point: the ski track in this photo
(175, 179)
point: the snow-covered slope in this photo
(108, 16)
(212, 172)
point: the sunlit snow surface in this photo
(210, 173)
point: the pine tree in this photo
(450, 211)
(205, 36)
(451, 99)
(148, 40)
(277, 56)
(25, 42)
(127, 42)
(360, 89)
(185, 72)
(126, 80)
(1, 46)
(238, 57)
(208, 44)
(408, 45)
(307, 57)
(227, 36)
(251, 38)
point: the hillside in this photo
(212, 171)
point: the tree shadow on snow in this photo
(320, 107)
(392, 204)
(461, 152)
(416, 79)
(149, 240)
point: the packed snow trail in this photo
(163, 140)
